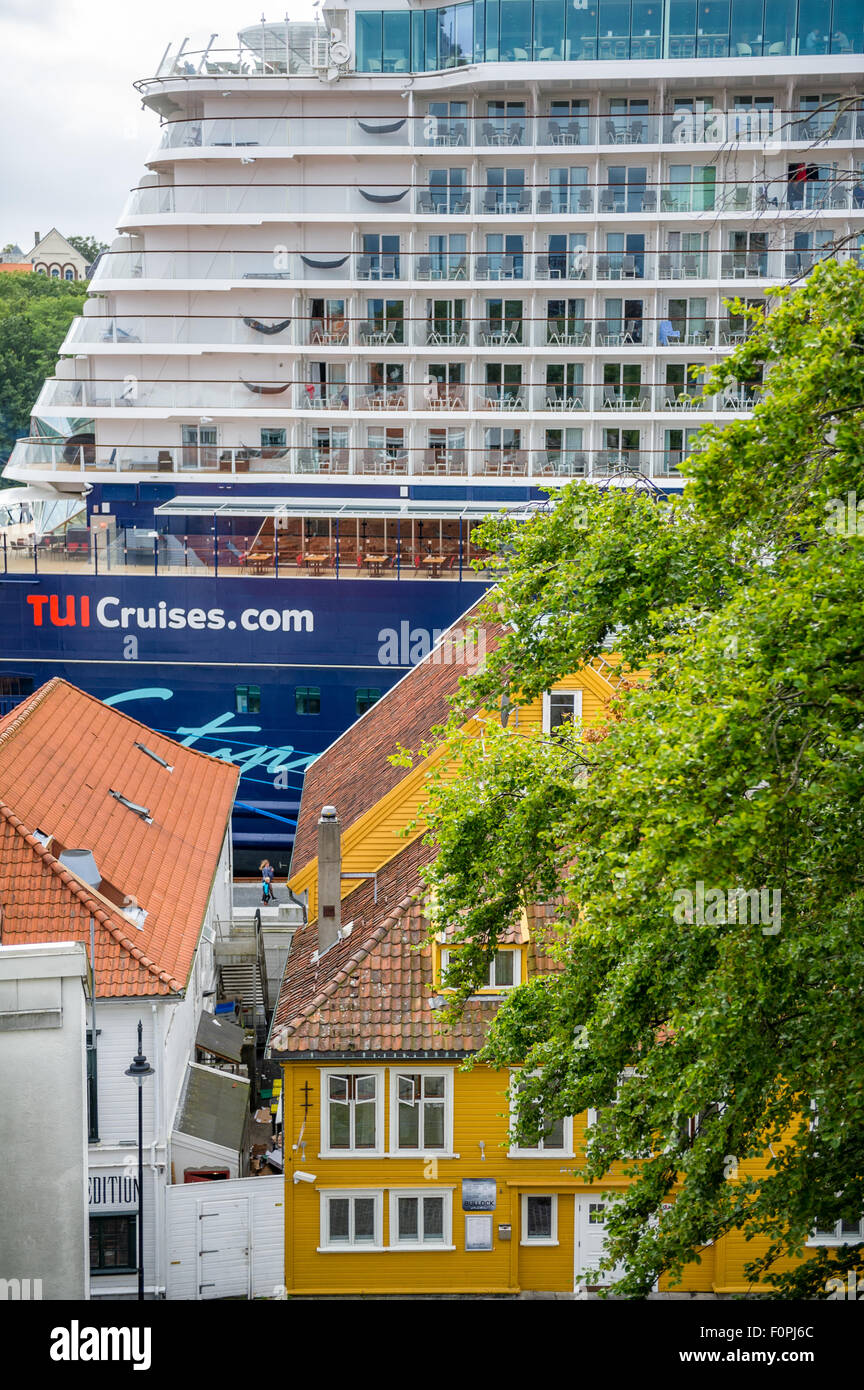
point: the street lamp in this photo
(139, 1071)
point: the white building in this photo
(474, 245)
(116, 837)
(56, 257)
(44, 995)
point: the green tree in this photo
(736, 762)
(87, 246)
(35, 314)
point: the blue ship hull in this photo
(177, 653)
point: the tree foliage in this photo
(87, 246)
(733, 760)
(35, 313)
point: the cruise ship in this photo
(383, 275)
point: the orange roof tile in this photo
(61, 754)
(371, 992)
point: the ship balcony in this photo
(35, 458)
(286, 203)
(430, 132)
(272, 399)
(141, 269)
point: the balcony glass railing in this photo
(362, 334)
(401, 201)
(41, 457)
(739, 125)
(418, 396)
(137, 268)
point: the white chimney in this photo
(329, 879)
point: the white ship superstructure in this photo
(480, 247)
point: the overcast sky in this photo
(75, 136)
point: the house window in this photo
(352, 1112)
(561, 707)
(539, 1219)
(351, 1220)
(247, 699)
(841, 1233)
(112, 1245)
(69, 274)
(92, 1106)
(307, 699)
(555, 1138)
(504, 970)
(421, 1218)
(365, 698)
(420, 1104)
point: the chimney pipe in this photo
(36, 239)
(329, 879)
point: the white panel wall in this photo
(266, 1235)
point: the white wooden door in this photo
(590, 1241)
(223, 1249)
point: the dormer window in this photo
(504, 970)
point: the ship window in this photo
(365, 698)
(247, 699)
(273, 439)
(15, 687)
(307, 699)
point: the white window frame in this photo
(325, 1150)
(547, 706)
(489, 989)
(326, 1195)
(524, 1238)
(421, 1192)
(397, 1150)
(839, 1237)
(540, 1151)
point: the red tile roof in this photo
(355, 772)
(371, 992)
(61, 752)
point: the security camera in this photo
(304, 1177)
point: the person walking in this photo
(267, 872)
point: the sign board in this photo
(479, 1194)
(478, 1232)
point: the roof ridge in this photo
(17, 716)
(347, 969)
(76, 888)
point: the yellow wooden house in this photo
(400, 1173)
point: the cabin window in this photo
(307, 699)
(365, 698)
(247, 699)
(420, 1103)
(353, 1112)
(350, 1219)
(112, 1245)
(421, 1218)
(539, 1219)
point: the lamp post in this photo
(139, 1070)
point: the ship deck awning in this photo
(347, 509)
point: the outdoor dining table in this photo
(316, 562)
